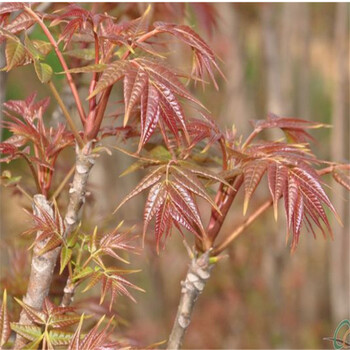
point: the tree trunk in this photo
(339, 257)
(236, 106)
(196, 279)
(42, 266)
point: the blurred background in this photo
(291, 59)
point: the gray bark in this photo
(42, 266)
(196, 279)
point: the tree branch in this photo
(196, 278)
(237, 231)
(68, 293)
(225, 197)
(42, 266)
(66, 114)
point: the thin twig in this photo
(24, 192)
(251, 137)
(63, 183)
(225, 198)
(66, 114)
(33, 171)
(237, 231)
(331, 168)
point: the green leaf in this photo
(29, 332)
(83, 54)
(160, 153)
(73, 238)
(94, 279)
(100, 67)
(43, 46)
(43, 71)
(8, 35)
(93, 241)
(60, 337)
(61, 321)
(83, 273)
(34, 52)
(34, 344)
(133, 167)
(15, 53)
(5, 330)
(66, 254)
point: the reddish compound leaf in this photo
(8, 7)
(140, 25)
(290, 175)
(146, 182)
(135, 82)
(277, 176)
(94, 339)
(74, 343)
(22, 22)
(114, 72)
(150, 112)
(162, 75)
(294, 128)
(253, 172)
(171, 199)
(292, 194)
(162, 223)
(183, 199)
(155, 199)
(204, 56)
(173, 108)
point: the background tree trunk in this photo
(339, 257)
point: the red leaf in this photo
(114, 72)
(204, 56)
(164, 76)
(155, 199)
(173, 108)
(150, 112)
(135, 83)
(7, 7)
(295, 128)
(22, 22)
(277, 177)
(163, 223)
(146, 182)
(186, 203)
(253, 172)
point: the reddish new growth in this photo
(171, 133)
